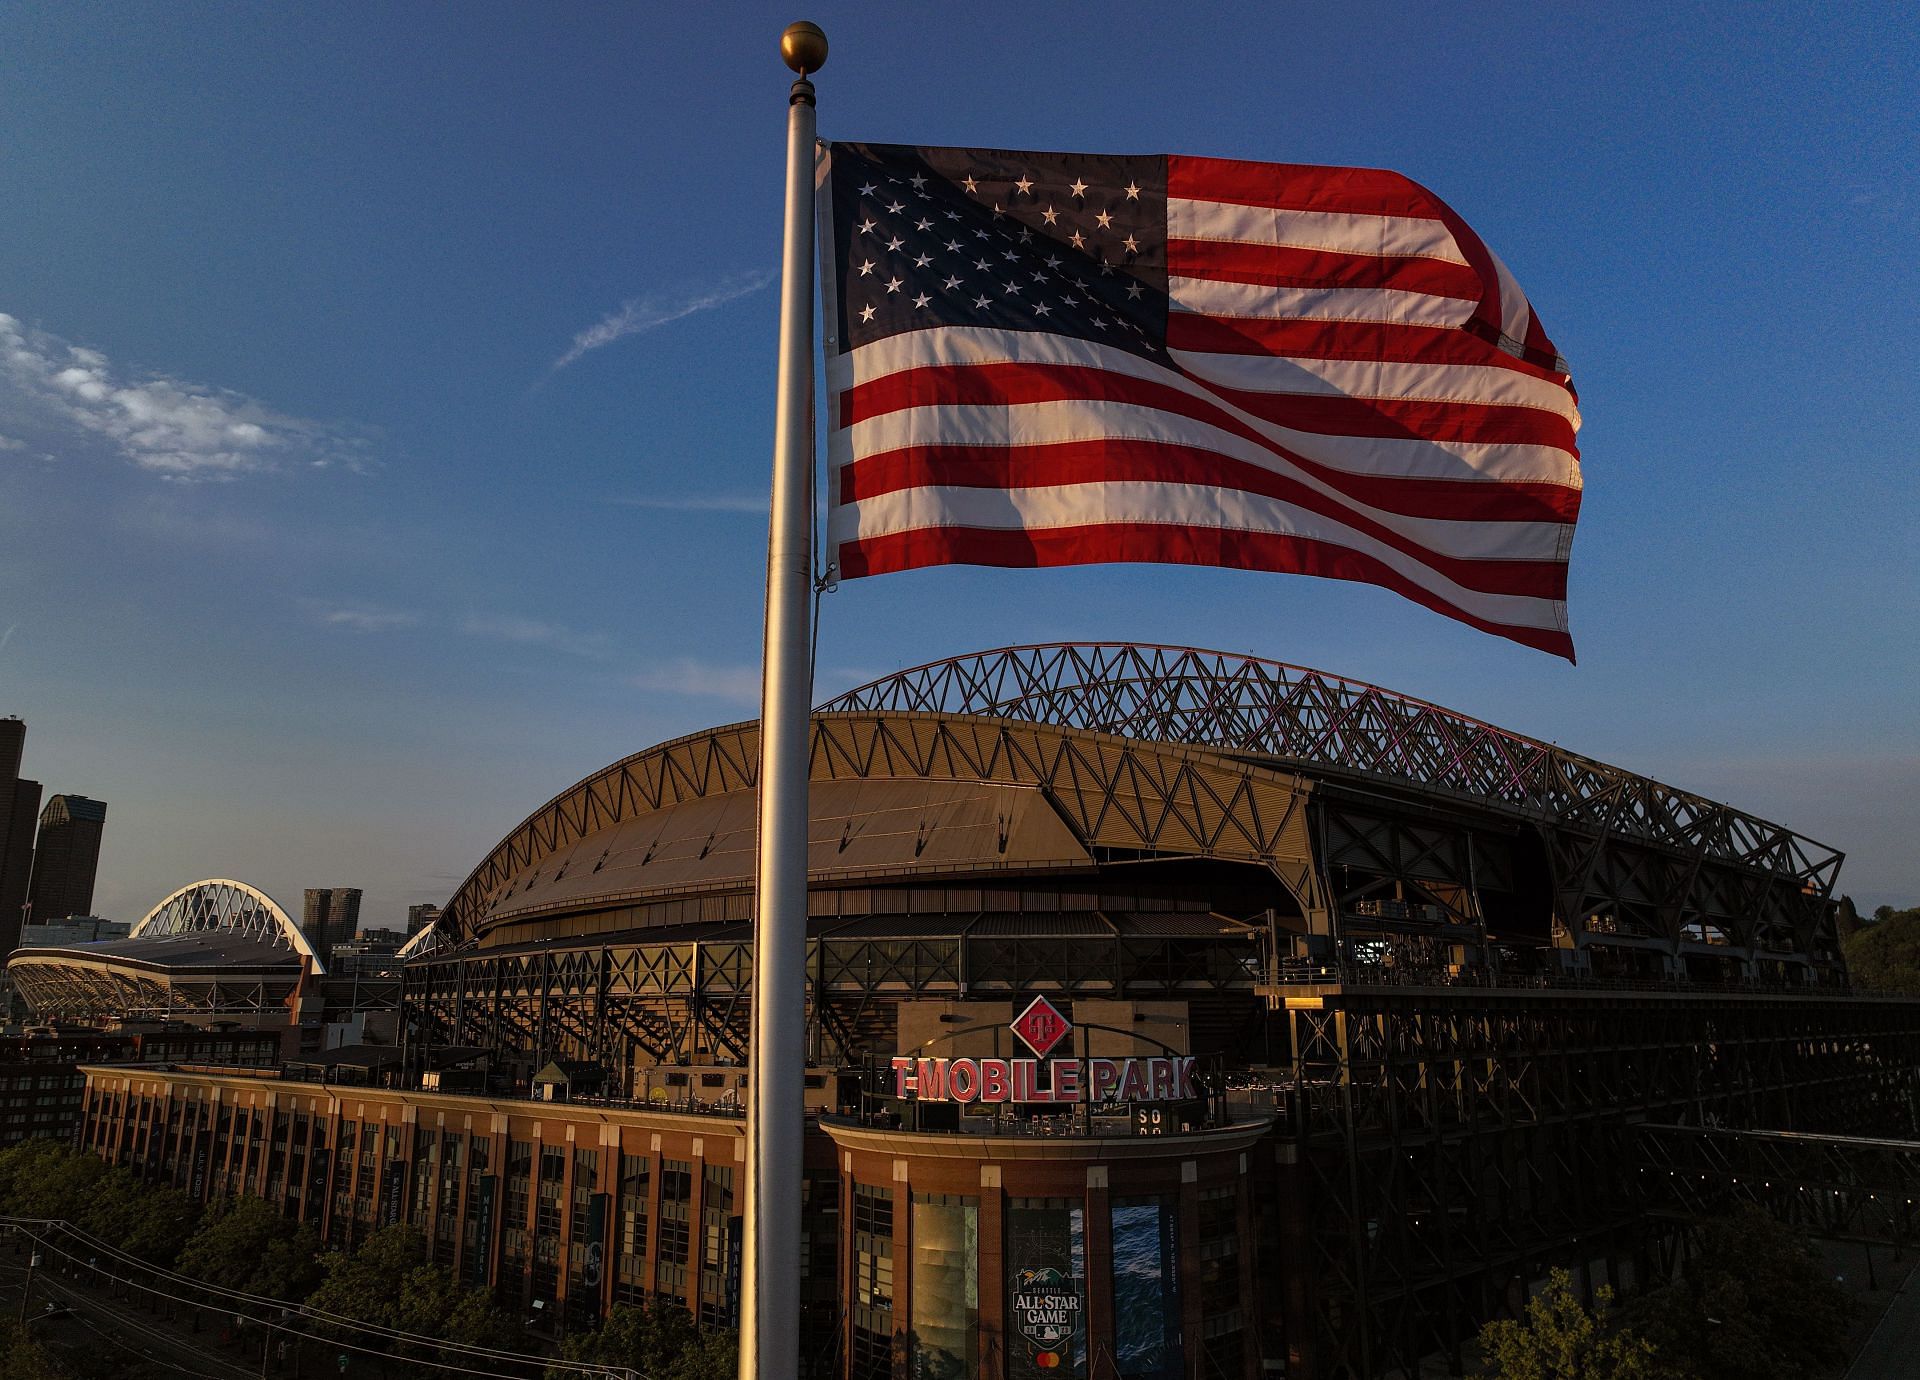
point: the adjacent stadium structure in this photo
(1171, 1013)
(214, 951)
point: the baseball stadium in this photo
(1171, 1013)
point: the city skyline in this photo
(416, 458)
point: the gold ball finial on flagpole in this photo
(804, 47)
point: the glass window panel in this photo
(1146, 1288)
(946, 1287)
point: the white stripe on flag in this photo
(1366, 378)
(1333, 231)
(1516, 314)
(1395, 306)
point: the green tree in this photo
(1754, 1303)
(659, 1340)
(1885, 955)
(19, 1165)
(22, 1358)
(45, 1179)
(716, 1356)
(391, 1282)
(152, 1222)
(366, 1284)
(1561, 1340)
(245, 1244)
(476, 1320)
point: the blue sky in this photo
(370, 574)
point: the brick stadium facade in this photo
(1434, 978)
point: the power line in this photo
(284, 1307)
(80, 1300)
(540, 1364)
(328, 1341)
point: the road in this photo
(98, 1321)
(1891, 1349)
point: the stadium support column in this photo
(776, 1123)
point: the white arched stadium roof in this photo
(220, 903)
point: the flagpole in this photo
(776, 1121)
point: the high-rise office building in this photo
(66, 858)
(332, 915)
(419, 917)
(19, 804)
(13, 745)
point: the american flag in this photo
(1055, 359)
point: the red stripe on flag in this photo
(1537, 343)
(1166, 545)
(1118, 461)
(1444, 500)
(1012, 384)
(1298, 187)
(1285, 266)
(1480, 424)
(1361, 340)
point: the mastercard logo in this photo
(1047, 1360)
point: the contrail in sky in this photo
(642, 314)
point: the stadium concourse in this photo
(1170, 1013)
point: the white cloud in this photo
(639, 315)
(698, 503)
(530, 632)
(10, 443)
(173, 428)
(365, 618)
(704, 680)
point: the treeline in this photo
(389, 1281)
(1751, 1302)
(1883, 953)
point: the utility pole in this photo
(26, 1290)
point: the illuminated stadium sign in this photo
(1041, 1028)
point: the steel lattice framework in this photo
(1246, 703)
(57, 988)
(219, 903)
(674, 998)
(1455, 1144)
(1849, 1188)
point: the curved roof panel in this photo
(892, 794)
(1067, 754)
(226, 949)
(856, 829)
(220, 904)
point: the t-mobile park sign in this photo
(1041, 1028)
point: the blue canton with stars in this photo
(1070, 244)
